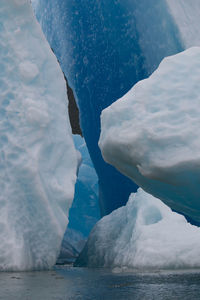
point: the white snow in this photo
(38, 160)
(143, 234)
(152, 133)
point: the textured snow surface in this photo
(37, 156)
(143, 234)
(152, 133)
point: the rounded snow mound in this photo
(152, 133)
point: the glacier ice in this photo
(143, 234)
(84, 212)
(38, 160)
(104, 48)
(152, 133)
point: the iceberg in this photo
(143, 234)
(152, 133)
(38, 161)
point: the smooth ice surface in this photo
(84, 212)
(186, 16)
(143, 234)
(152, 133)
(104, 48)
(37, 157)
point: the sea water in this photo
(69, 283)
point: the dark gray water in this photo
(67, 283)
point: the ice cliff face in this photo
(143, 234)
(37, 157)
(104, 48)
(152, 133)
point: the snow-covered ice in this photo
(152, 133)
(143, 234)
(38, 160)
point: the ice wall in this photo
(152, 133)
(38, 160)
(104, 48)
(143, 234)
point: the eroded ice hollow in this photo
(152, 133)
(38, 160)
